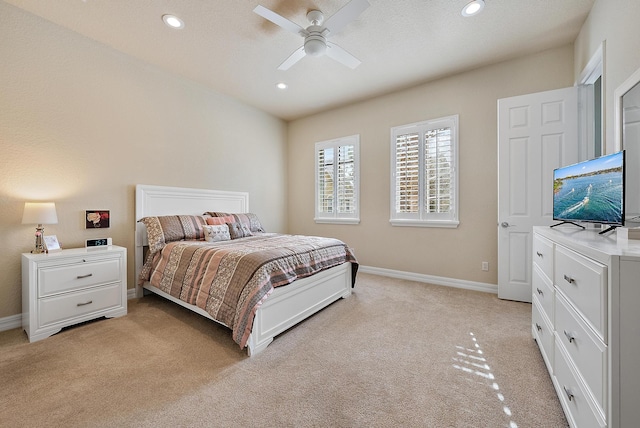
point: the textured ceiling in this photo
(227, 47)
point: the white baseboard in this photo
(15, 321)
(431, 279)
(11, 322)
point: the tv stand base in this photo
(607, 230)
(568, 222)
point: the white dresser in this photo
(71, 286)
(586, 321)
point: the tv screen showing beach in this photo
(590, 191)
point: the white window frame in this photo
(335, 216)
(423, 218)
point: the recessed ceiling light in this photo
(173, 21)
(473, 8)
(281, 85)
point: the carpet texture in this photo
(395, 353)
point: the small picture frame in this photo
(96, 219)
(50, 243)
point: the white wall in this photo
(81, 124)
(617, 23)
(450, 253)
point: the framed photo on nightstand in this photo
(51, 243)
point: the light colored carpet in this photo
(395, 353)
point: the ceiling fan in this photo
(316, 34)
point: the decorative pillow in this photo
(215, 233)
(220, 220)
(238, 230)
(163, 229)
(248, 219)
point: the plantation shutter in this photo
(345, 185)
(325, 180)
(438, 170)
(408, 173)
(337, 180)
(424, 176)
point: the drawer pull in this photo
(85, 303)
(569, 279)
(539, 254)
(570, 336)
(538, 327)
(568, 392)
(84, 276)
(539, 291)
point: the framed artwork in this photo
(96, 218)
(51, 243)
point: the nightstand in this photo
(72, 286)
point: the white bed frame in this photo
(285, 307)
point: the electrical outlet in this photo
(485, 266)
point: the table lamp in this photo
(39, 213)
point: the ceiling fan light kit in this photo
(316, 34)
(315, 44)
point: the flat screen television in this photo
(591, 191)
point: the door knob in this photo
(506, 224)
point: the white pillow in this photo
(218, 232)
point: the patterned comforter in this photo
(231, 279)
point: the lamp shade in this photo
(39, 213)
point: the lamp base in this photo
(39, 247)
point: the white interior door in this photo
(536, 134)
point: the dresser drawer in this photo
(586, 350)
(544, 291)
(543, 255)
(579, 408)
(543, 333)
(72, 305)
(584, 282)
(78, 275)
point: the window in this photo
(424, 173)
(337, 180)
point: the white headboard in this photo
(161, 200)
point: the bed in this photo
(305, 289)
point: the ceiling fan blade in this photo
(336, 52)
(280, 20)
(344, 16)
(296, 56)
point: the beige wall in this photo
(450, 253)
(616, 22)
(81, 124)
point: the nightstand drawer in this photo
(587, 352)
(68, 306)
(58, 279)
(584, 282)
